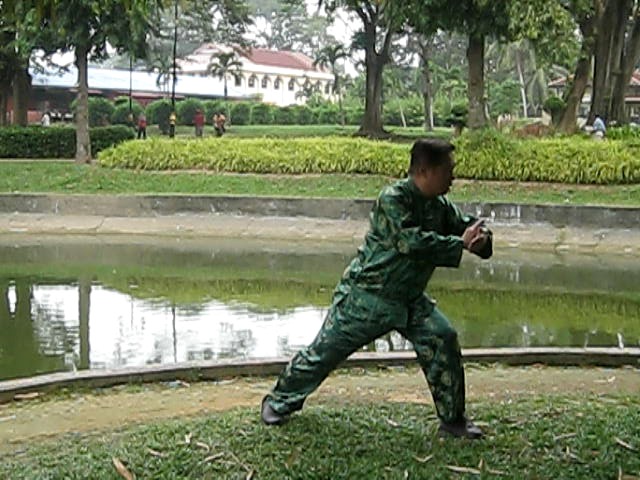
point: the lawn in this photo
(535, 437)
(65, 177)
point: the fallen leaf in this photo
(204, 446)
(155, 453)
(211, 458)
(423, 460)
(187, 438)
(472, 471)
(563, 436)
(624, 444)
(121, 469)
(250, 475)
(406, 474)
(26, 396)
(6, 419)
(392, 423)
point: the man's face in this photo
(441, 177)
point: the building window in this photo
(292, 84)
(252, 81)
(265, 82)
(317, 87)
(327, 88)
(276, 83)
(238, 81)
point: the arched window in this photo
(327, 88)
(238, 80)
(276, 83)
(318, 86)
(265, 82)
(292, 84)
(252, 81)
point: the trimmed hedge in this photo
(56, 142)
(486, 155)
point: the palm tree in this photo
(222, 64)
(328, 57)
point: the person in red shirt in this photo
(142, 126)
(198, 121)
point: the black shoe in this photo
(462, 429)
(270, 416)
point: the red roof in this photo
(561, 82)
(281, 58)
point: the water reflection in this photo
(87, 304)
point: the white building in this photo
(275, 77)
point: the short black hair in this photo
(429, 152)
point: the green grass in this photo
(533, 438)
(61, 177)
(286, 131)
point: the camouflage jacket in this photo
(409, 236)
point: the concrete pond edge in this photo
(11, 390)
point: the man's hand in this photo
(473, 235)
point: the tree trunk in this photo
(617, 52)
(4, 97)
(84, 307)
(427, 88)
(523, 87)
(475, 60)
(630, 60)
(573, 97)
(372, 120)
(601, 65)
(21, 87)
(83, 141)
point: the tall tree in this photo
(329, 57)
(381, 20)
(224, 64)
(86, 26)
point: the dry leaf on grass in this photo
(423, 460)
(26, 396)
(472, 471)
(122, 470)
(155, 453)
(250, 475)
(211, 458)
(203, 446)
(624, 444)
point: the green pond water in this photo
(112, 302)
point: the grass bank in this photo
(568, 437)
(61, 177)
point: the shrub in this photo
(327, 115)
(354, 115)
(158, 113)
(211, 107)
(304, 115)
(485, 155)
(241, 113)
(56, 142)
(121, 115)
(623, 133)
(186, 110)
(100, 111)
(285, 115)
(553, 105)
(262, 114)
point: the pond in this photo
(109, 302)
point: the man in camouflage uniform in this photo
(413, 230)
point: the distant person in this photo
(218, 123)
(599, 128)
(45, 121)
(142, 126)
(172, 125)
(198, 121)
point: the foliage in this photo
(285, 116)
(627, 132)
(100, 111)
(262, 114)
(486, 155)
(211, 107)
(186, 110)
(158, 112)
(554, 106)
(55, 142)
(122, 115)
(241, 113)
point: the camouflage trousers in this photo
(356, 318)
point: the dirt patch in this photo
(119, 407)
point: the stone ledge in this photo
(610, 357)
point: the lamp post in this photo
(175, 45)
